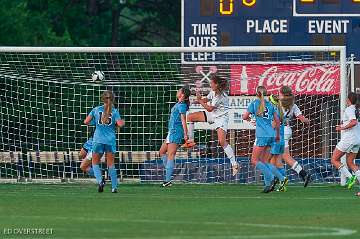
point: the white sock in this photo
(343, 169)
(230, 154)
(296, 167)
(191, 130)
(357, 174)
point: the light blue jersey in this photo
(176, 131)
(264, 127)
(105, 133)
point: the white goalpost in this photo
(46, 93)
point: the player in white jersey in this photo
(216, 106)
(291, 111)
(350, 140)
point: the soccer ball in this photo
(97, 76)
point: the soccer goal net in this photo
(46, 94)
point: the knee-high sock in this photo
(164, 159)
(230, 154)
(268, 176)
(297, 167)
(191, 127)
(113, 176)
(275, 171)
(97, 173)
(343, 169)
(169, 170)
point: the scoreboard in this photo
(210, 23)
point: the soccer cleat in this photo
(235, 169)
(166, 184)
(273, 184)
(307, 180)
(189, 144)
(267, 189)
(350, 183)
(114, 190)
(283, 185)
(101, 187)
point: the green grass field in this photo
(183, 211)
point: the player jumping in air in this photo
(217, 113)
(107, 118)
(177, 134)
(291, 110)
(350, 140)
(265, 114)
(277, 148)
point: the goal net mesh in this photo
(45, 98)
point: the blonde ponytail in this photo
(261, 93)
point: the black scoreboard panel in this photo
(210, 23)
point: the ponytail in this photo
(261, 93)
(274, 99)
(186, 91)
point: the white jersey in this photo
(289, 115)
(220, 102)
(352, 134)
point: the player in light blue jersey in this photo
(177, 133)
(278, 148)
(85, 155)
(264, 113)
(107, 118)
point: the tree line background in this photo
(90, 23)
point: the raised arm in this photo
(303, 119)
(203, 102)
(299, 115)
(184, 125)
(350, 125)
(88, 119)
(246, 116)
(118, 121)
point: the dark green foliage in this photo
(90, 23)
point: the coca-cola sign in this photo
(303, 79)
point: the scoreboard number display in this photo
(211, 23)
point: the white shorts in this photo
(346, 146)
(221, 122)
(287, 135)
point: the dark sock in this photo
(303, 173)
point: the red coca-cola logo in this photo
(303, 79)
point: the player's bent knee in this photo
(335, 160)
(83, 167)
(223, 143)
(190, 117)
